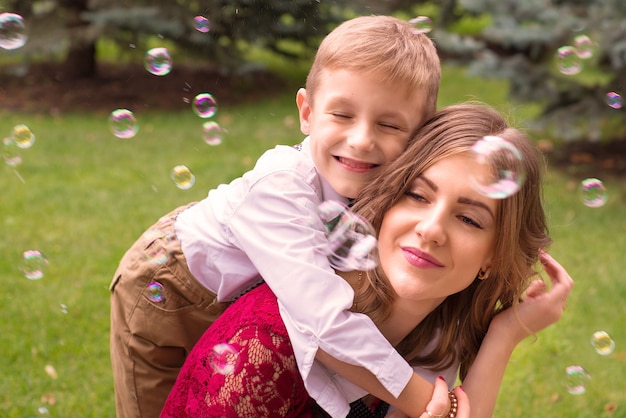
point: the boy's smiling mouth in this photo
(355, 165)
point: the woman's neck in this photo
(405, 315)
(401, 322)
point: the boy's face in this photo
(356, 125)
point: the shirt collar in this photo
(328, 193)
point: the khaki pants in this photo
(154, 326)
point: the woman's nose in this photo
(431, 228)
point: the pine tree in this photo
(569, 56)
(229, 25)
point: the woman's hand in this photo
(541, 307)
(440, 405)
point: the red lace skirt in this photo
(243, 366)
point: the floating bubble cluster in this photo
(205, 105)
(33, 264)
(352, 244)
(224, 359)
(602, 343)
(576, 379)
(505, 164)
(593, 193)
(421, 24)
(614, 100)
(158, 61)
(212, 133)
(123, 123)
(12, 31)
(182, 176)
(202, 24)
(568, 60)
(23, 136)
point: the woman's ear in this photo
(304, 111)
(483, 274)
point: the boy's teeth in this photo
(356, 164)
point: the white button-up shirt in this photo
(265, 224)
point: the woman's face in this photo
(433, 242)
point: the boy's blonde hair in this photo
(381, 45)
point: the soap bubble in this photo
(584, 46)
(11, 152)
(212, 133)
(352, 244)
(224, 359)
(593, 193)
(576, 379)
(23, 136)
(12, 31)
(157, 246)
(421, 24)
(568, 60)
(155, 292)
(33, 264)
(505, 164)
(158, 61)
(202, 24)
(205, 105)
(602, 343)
(614, 100)
(183, 177)
(123, 123)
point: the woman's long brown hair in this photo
(462, 320)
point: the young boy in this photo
(369, 89)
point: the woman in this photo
(454, 266)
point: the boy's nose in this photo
(361, 138)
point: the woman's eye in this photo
(415, 196)
(470, 221)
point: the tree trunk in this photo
(80, 61)
(81, 58)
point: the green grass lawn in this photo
(82, 196)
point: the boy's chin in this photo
(349, 191)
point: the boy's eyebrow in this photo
(463, 200)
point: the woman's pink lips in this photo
(356, 165)
(420, 259)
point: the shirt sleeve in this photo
(278, 227)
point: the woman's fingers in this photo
(562, 283)
(458, 402)
(463, 408)
(439, 405)
(535, 289)
(557, 272)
